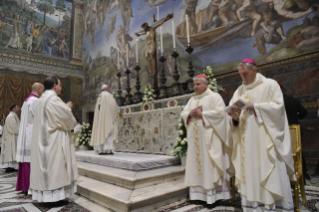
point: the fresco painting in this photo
(39, 27)
(222, 33)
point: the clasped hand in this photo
(197, 113)
(70, 104)
(235, 112)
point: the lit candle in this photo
(173, 34)
(161, 31)
(136, 50)
(118, 59)
(187, 30)
(126, 55)
(157, 12)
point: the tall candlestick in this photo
(162, 49)
(136, 50)
(187, 30)
(157, 13)
(118, 59)
(127, 55)
(173, 34)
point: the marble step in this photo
(122, 199)
(131, 179)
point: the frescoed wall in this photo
(38, 27)
(222, 33)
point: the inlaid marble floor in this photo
(12, 201)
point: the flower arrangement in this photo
(180, 148)
(84, 137)
(212, 82)
(149, 95)
(114, 94)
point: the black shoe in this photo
(197, 202)
(211, 206)
(111, 153)
(58, 203)
(10, 169)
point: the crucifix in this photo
(150, 53)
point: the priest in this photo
(208, 154)
(9, 140)
(261, 154)
(24, 139)
(105, 128)
(53, 163)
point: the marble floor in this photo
(12, 201)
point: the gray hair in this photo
(248, 65)
(104, 87)
(202, 79)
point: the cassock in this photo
(9, 141)
(105, 129)
(53, 163)
(208, 154)
(261, 154)
(23, 155)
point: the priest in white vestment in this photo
(1, 131)
(261, 152)
(23, 154)
(208, 154)
(9, 139)
(53, 163)
(105, 129)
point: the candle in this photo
(162, 49)
(157, 12)
(136, 49)
(187, 30)
(118, 59)
(126, 55)
(173, 34)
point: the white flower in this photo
(77, 140)
(185, 139)
(179, 139)
(90, 131)
(183, 142)
(181, 132)
(210, 86)
(180, 125)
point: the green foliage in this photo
(60, 5)
(180, 148)
(84, 137)
(45, 6)
(149, 95)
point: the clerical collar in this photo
(251, 82)
(207, 92)
(50, 92)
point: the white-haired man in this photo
(105, 128)
(260, 136)
(208, 152)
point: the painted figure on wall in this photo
(30, 27)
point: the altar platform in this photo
(130, 181)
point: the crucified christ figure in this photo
(151, 46)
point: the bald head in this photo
(37, 88)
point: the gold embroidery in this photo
(243, 128)
(197, 146)
(247, 97)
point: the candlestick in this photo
(137, 95)
(162, 49)
(136, 51)
(187, 30)
(163, 88)
(176, 84)
(173, 33)
(127, 55)
(118, 59)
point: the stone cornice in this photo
(32, 64)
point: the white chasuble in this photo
(25, 131)
(53, 163)
(105, 127)
(208, 154)
(261, 153)
(9, 141)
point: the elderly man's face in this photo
(199, 87)
(247, 75)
